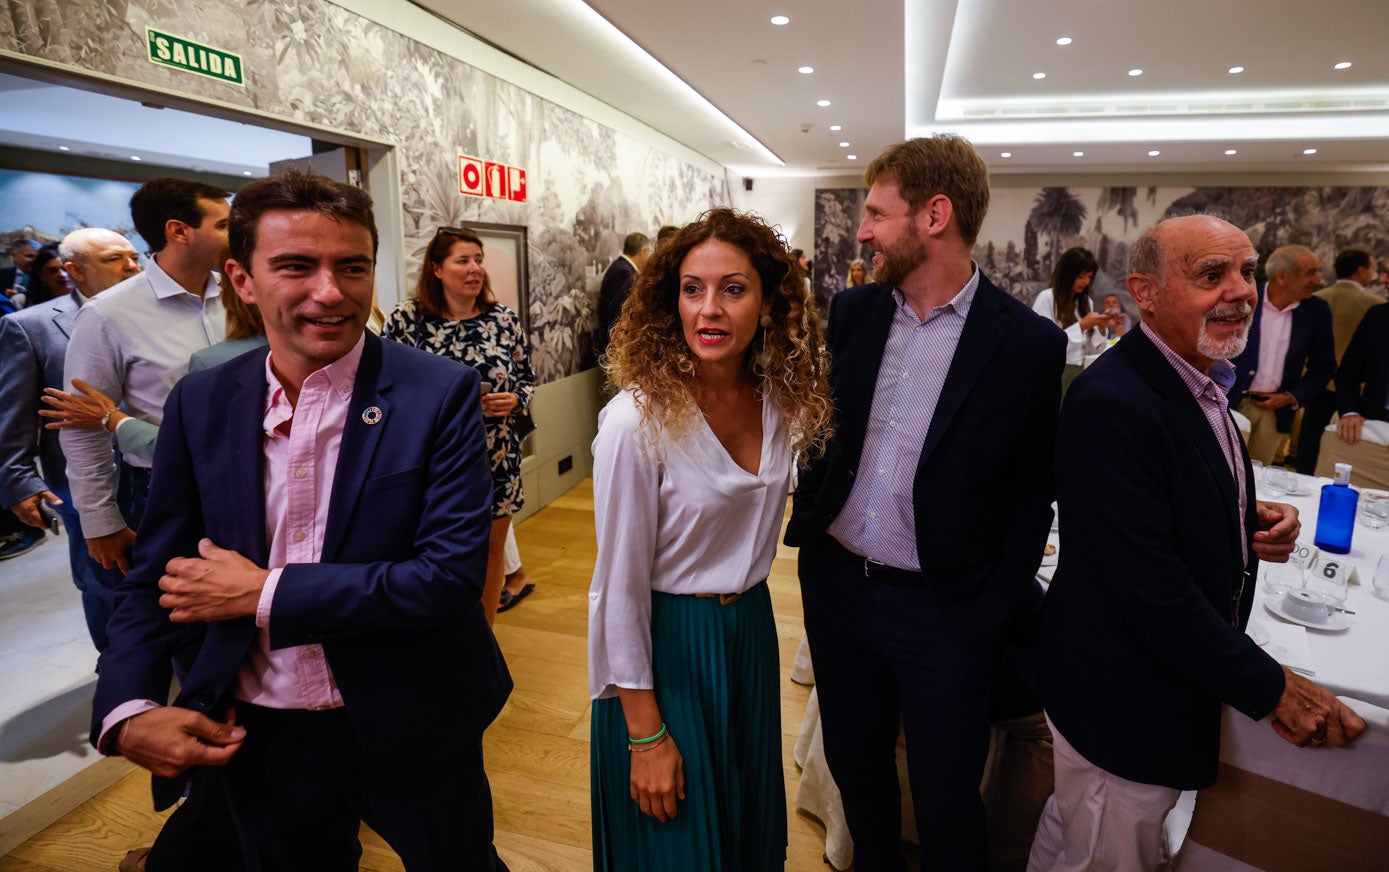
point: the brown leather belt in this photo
(725, 599)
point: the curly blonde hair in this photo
(786, 360)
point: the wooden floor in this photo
(537, 751)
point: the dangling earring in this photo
(765, 320)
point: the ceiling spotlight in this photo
(1039, 75)
(1065, 40)
(822, 103)
(1005, 154)
(780, 20)
(836, 127)
(64, 148)
(1135, 72)
(1343, 65)
(1309, 151)
(1154, 153)
(134, 157)
(843, 145)
(851, 156)
(246, 172)
(805, 71)
(1231, 151)
(1235, 71)
(1077, 154)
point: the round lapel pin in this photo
(372, 415)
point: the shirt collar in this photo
(1268, 304)
(1222, 373)
(165, 286)
(339, 377)
(959, 304)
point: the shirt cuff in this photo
(123, 712)
(267, 595)
(120, 424)
(1351, 415)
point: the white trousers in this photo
(1096, 821)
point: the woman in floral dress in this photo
(454, 314)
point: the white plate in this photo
(1333, 624)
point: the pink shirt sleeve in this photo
(122, 712)
(267, 596)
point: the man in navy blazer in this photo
(1291, 352)
(32, 467)
(617, 284)
(922, 526)
(355, 686)
(1161, 535)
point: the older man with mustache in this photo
(1142, 632)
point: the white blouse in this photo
(677, 516)
(1078, 342)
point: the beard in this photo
(1225, 349)
(901, 258)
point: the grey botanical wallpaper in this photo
(308, 60)
(1027, 228)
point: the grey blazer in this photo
(32, 344)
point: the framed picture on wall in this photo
(504, 256)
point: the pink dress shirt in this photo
(1275, 332)
(300, 464)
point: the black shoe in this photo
(20, 542)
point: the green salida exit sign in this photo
(194, 57)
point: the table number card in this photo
(1336, 570)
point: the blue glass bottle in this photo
(1336, 517)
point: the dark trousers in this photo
(302, 784)
(1315, 416)
(885, 656)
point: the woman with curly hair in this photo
(718, 351)
(455, 314)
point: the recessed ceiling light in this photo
(1235, 71)
(1343, 65)
(780, 20)
(851, 156)
(1065, 40)
(843, 145)
(134, 157)
(1135, 72)
(822, 103)
(1005, 154)
(1039, 75)
(245, 172)
(805, 71)
(1077, 154)
(64, 148)
(1309, 151)
(1154, 153)
(836, 127)
(1231, 151)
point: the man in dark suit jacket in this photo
(1362, 382)
(312, 558)
(617, 284)
(1303, 351)
(32, 467)
(1142, 631)
(922, 526)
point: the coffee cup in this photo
(1307, 605)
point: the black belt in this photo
(881, 572)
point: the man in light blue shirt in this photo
(133, 344)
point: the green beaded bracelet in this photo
(650, 740)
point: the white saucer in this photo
(1333, 624)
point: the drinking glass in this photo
(1278, 481)
(1374, 509)
(1279, 578)
(1258, 471)
(1381, 580)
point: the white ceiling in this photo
(897, 68)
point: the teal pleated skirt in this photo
(717, 676)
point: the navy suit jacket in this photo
(1362, 383)
(32, 344)
(983, 486)
(1309, 364)
(617, 284)
(394, 601)
(1141, 639)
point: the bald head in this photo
(1193, 277)
(97, 258)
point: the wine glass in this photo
(1328, 581)
(1279, 578)
(1381, 580)
(1278, 481)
